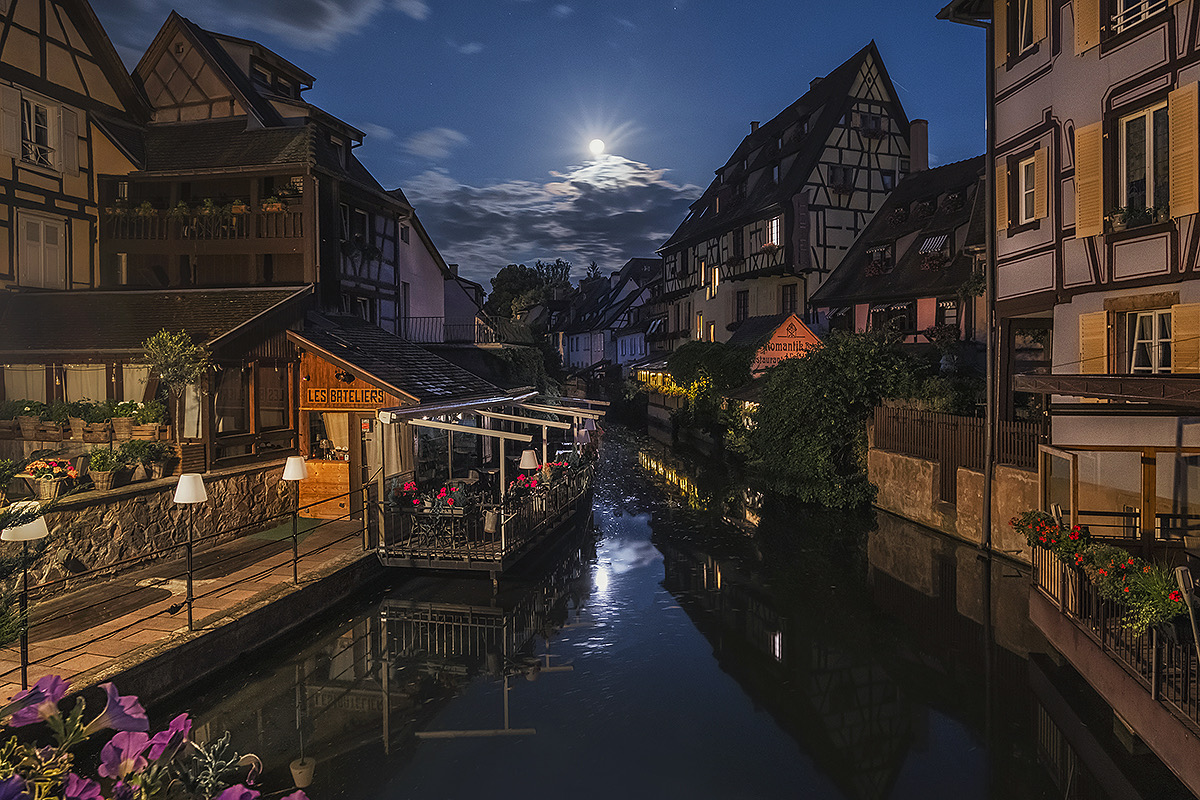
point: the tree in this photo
(593, 270)
(705, 370)
(512, 282)
(810, 439)
(554, 274)
(178, 362)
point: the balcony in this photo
(157, 230)
(769, 261)
(437, 330)
(679, 284)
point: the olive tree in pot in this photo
(179, 363)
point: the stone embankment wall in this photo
(98, 529)
(909, 487)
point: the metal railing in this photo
(954, 441)
(466, 535)
(435, 330)
(1166, 667)
(185, 572)
(1133, 13)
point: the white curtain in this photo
(191, 412)
(25, 382)
(134, 378)
(86, 382)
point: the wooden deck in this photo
(461, 541)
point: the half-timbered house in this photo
(788, 203)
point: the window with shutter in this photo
(1087, 25)
(1041, 182)
(1093, 343)
(1185, 338)
(42, 257)
(1089, 180)
(1184, 122)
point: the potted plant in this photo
(239, 207)
(50, 476)
(51, 422)
(96, 427)
(123, 415)
(146, 209)
(8, 418)
(180, 210)
(9, 469)
(29, 416)
(149, 419)
(158, 455)
(178, 362)
(103, 464)
(272, 203)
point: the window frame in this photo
(741, 305)
(1027, 190)
(1112, 18)
(24, 218)
(1121, 162)
(1023, 26)
(53, 129)
(1160, 322)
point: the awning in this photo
(947, 304)
(934, 243)
(568, 411)
(406, 413)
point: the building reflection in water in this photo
(861, 636)
(375, 683)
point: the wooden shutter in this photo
(10, 121)
(1093, 343)
(1039, 19)
(1089, 180)
(1185, 338)
(1087, 24)
(70, 142)
(1041, 184)
(1184, 144)
(1000, 31)
(1002, 196)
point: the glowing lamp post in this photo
(294, 471)
(31, 531)
(190, 491)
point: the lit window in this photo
(1144, 161)
(1025, 191)
(774, 232)
(1150, 341)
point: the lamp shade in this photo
(295, 469)
(589, 424)
(582, 437)
(190, 489)
(529, 460)
(30, 531)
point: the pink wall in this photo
(926, 312)
(862, 317)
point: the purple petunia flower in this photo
(123, 754)
(123, 791)
(121, 713)
(78, 788)
(238, 792)
(13, 789)
(39, 703)
(169, 740)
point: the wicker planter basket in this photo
(103, 480)
(122, 427)
(50, 488)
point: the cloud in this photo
(562, 11)
(625, 23)
(434, 143)
(417, 9)
(377, 132)
(307, 24)
(610, 210)
(468, 49)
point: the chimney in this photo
(813, 83)
(918, 145)
(453, 269)
(753, 125)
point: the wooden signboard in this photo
(790, 340)
(327, 387)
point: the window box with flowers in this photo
(51, 476)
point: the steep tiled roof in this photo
(919, 209)
(823, 105)
(223, 144)
(754, 331)
(119, 321)
(396, 364)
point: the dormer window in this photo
(341, 150)
(260, 75)
(879, 260)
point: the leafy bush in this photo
(31, 408)
(176, 360)
(151, 413)
(57, 412)
(9, 409)
(105, 459)
(810, 439)
(99, 412)
(134, 451)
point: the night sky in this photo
(482, 110)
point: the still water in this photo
(695, 639)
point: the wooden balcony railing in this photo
(762, 262)
(163, 226)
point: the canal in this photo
(695, 639)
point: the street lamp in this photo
(31, 531)
(294, 471)
(190, 491)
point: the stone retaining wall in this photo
(99, 529)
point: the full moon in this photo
(596, 146)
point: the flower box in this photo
(49, 432)
(97, 433)
(122, 427)
(50, 488)
(149, 431)
(103, 480)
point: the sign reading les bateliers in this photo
(315, 397)
(790, 339)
